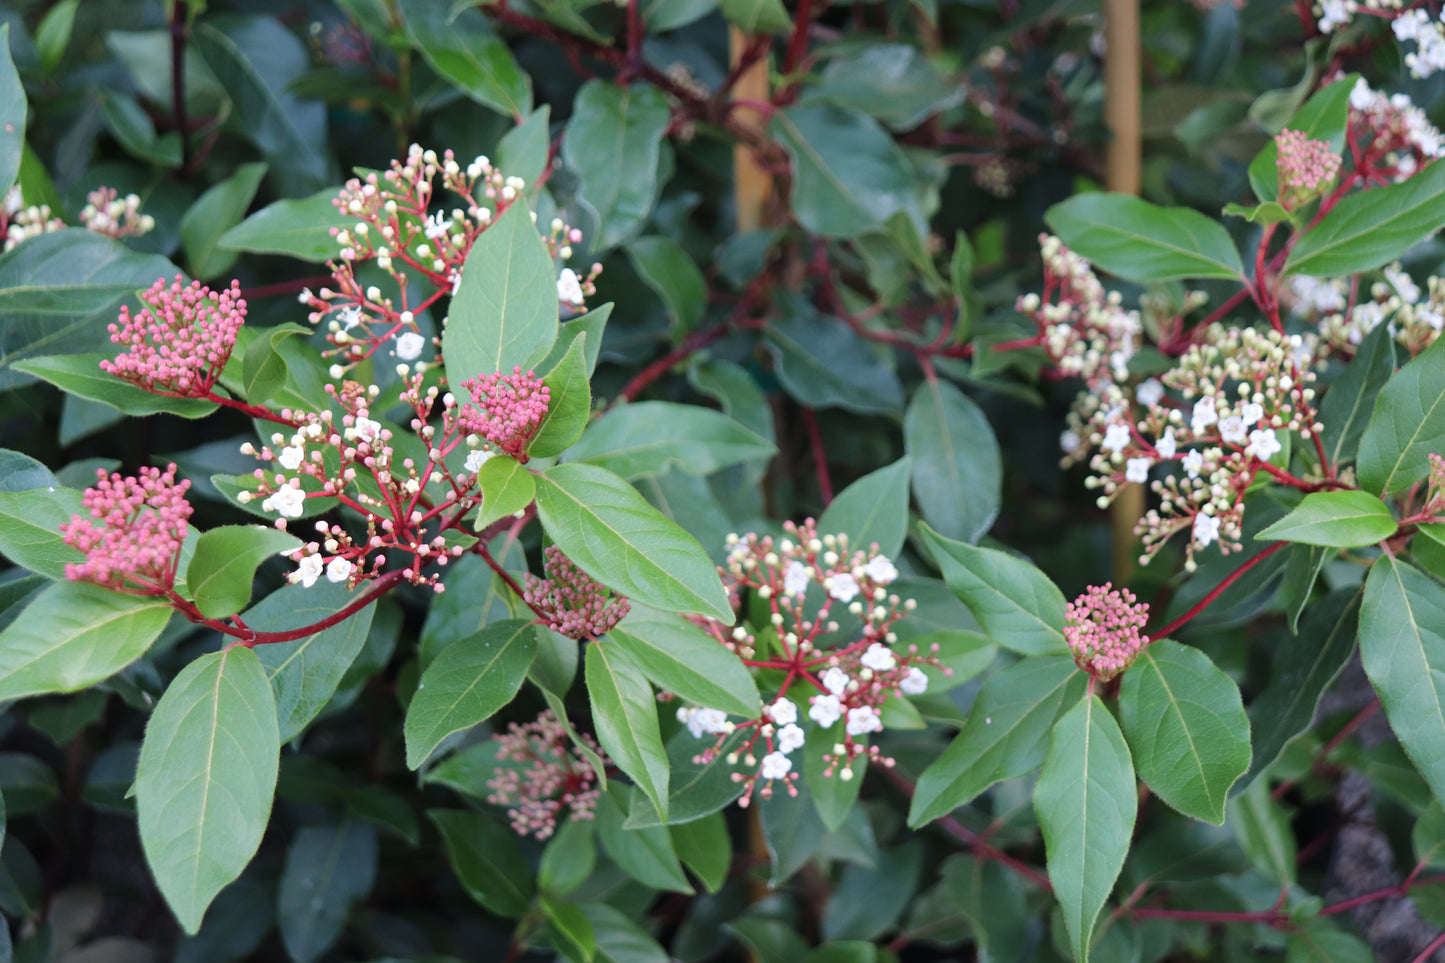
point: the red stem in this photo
(820, 456)
(250, 638)
(1215, 592)
(694, 342)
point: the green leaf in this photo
(833, 795)
(213, 214)
(681, 658)
(612, 534)
(874, 509)
(522, 151)
(869, 899)
(329, 869)
(757, 16)
(1086, 803)
(1186, 727)
(136, 132)
(849, 176)
(506, 488)
(486, 860)
(619, 940)
(569, 858)
(792, 830)
(570, 403)
(957, 468)
(1145, 242)
(53, 34)
(1017, 605)
(1322, 117)
(265, 369)
(299, 229)
(570, 930)
(1263, 830)
(645, 854)
(225, 562)
(74, 635)
(1320, 941)
(13, 107)
(1006, 734)
(592, 324)
(824, 364)
(1351, 399)
(1402, 645)
(893, 82)
(504, 314)
(205, 778)
(1371, 228)
(30, 529)
(704, 847)
(614, 144)
(1336, 519)
(467, 683)
(667, 269)
(624, 713)
(1269, 212)
(80, 375)
(695, 789)
(649, 437)
(1408, 423)
(462, 46)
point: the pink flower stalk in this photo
(554, 775)
(572, 602)
(506, 410)
(1306, 167)
(180, 341)
(141, 524)
(1104, 628)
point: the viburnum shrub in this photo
(721, 481)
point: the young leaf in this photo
(74, 635)
(679, 657)
(463, 48)
(80, 375)
(506, 488)
(612, 534)
(1144, 242)
(570, 403)
(872, 509)
(30, 529)
(957, 470)
(1186, 727)
(504, 314)
(486, 860)
(1017, 605)
(1371, 228)
(226, 558)
(294, 228)
(1342, 519)
(1086, 804)
(205, 778)
(329, 868)
(614, 144)
(1408, 422)
(624, 713)
(213, 214)
(468, 682)
(649, 437)
(1005, 736)
(1402, 645)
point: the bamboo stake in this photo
(752, 185)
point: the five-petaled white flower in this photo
(825, 710)
(775, 766)
(291, 457)
(863, 720)
(835, 680)
(1232, 430)
(880, 569)
(476, 458)
(1193, 463)
(1116, 437)
(1137, 470)
(1251, 413)
(796, 578)
(1206, 529)
(790, 737)
(914, 683)
(783, 712)
(1149, 393)
(878, 658)
(1166, 446)
(367, 430)
(1204, 414)
(409, 345)
(350, 317)
(436, 226)
(843, 587)
(288, 502)
(339, 569)
(701, 722)
(308, 570)
(1263, 444)
(569, 288)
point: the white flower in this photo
(1116, 437)
(790, 737)
(825, 710)
(307, 571)
(1166, 446)
(367, 430)
(1206, 529)
(1263, 444)
(914, 683)
(339, 569)
(835, 680)
(843, 587)
(476, 458)
(1069, 441)
(1137, 470)
(1232, 429)
(1203, 415)
(1321, 294)
(436, 226)
(878, 658)
(796, 578)
(1193, 462)
(456, 282)
(350, 317)
(880, 570)
(862, 720)
(569, 289)
(289, 503)
(775, 766)
(1250, 414)
(409, 345)
(1333, 13)
(701, 722)
(1404, 285)
(1150, 393)
(305, 296)
(783, 712)
(291, 458)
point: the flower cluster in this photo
(1104, 629)
(1414, 317)
(114, 216)
(1084, 328)
(134, 532)
(1390, 138)
(570, 602)
(845, 676)
(506, 410)
(180, 341)
(552, 775)
(1428, 35)
(1306, 167)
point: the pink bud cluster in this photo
(552, 776)
(134, 532)
(107, 213)
(1306, 167)
(506, 410)
(570, 602)
(1104, 628)
(180, 341)
(1084, 328)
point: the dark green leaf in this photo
(695, 789)
(646, 854)
(619, 940)
(80, 375)
(53, 34)
(957, 468)
(792, 830)
(757, 16)
(30, 529)
(1371, 228)
(1144, 242)
(1263, 830)
(649, 437)
(226, 558)
(614, 144)
(869, 899)
(833, 795)
(328, 870)
(824, 364)
(704, 847)
(624, 713)
(1350, 399)
(1408, 423)
(874, 509)
(213, 214)
(665, 267)
(569, 858)
(522, 152)
(893, 82)
(570, 930)
(462, 47)
(486, 860)
(13, 107)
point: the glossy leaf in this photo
(486, 860)
(570, 930)
(869, 899)
(614, 144)
(294, 228)
(30, 529)
(649, 437)
(205, 778)
(646, 853)
(619, 940)
(624, 712)
(506, 488)
(1142, 241)
(612, 534)
(694, 789)
(872, 509)
(1006, 734)
(467, 683)
(704, 847)
(74, 635)
(1322, 117)
(792, 830)
(214, 213)
(681, 658)
(225, 561)
(1407, 424)
(892, 82)
(824, 364)
(1086, 804)
(80, 375)
(1017, 605)
(1338, 519)
(1371, 228)
(957, 468)
(329, 868)
(665, 266)
(13, 108)
(569, 405)
(1351, 399)
(504, 314)
(461, 46)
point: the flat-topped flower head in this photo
(134, 530)
(1306, 167)
(506, 410)
(555, 780)
(570, 601)
(1104, 629)
(179, 342)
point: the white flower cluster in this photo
(1395, 126)
(1085, 329)
(1414, 317)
